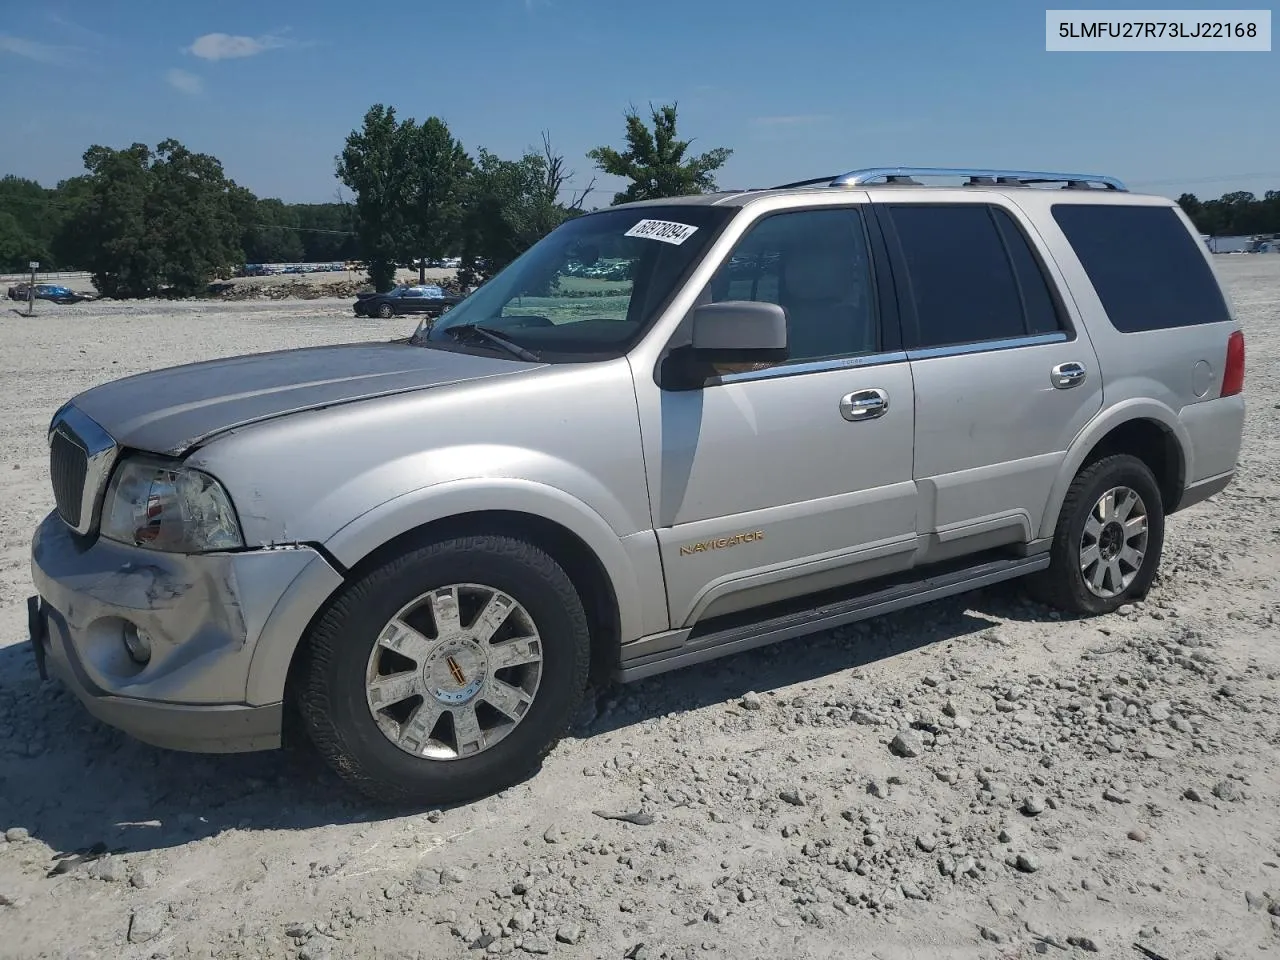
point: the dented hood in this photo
(176, 408)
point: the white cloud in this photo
(187, 83)
(224, 46)
(31, 50)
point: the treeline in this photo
(1234, 214)
(164, 220)
(35, 225)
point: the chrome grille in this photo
(81, 455)
(68, 467)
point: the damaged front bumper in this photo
(198, 618)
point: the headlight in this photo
(163, 505)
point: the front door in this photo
(784, 479)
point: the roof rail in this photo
(976, 177)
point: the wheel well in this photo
(565, 547)
(1156, 446)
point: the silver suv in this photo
(670, 431)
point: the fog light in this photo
(137, 643)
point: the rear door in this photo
(1004, 379)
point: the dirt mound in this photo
(304, 289)
(292, 290)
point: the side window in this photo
(962, 282)
(1148, 270)
(1038, 303)
(413, 293)
(815, 264)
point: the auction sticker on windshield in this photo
(664, 230)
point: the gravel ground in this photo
(974, 778)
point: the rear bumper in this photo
(202, 615)
(1215, 429)
(1202, 490)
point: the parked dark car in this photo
(48, 291)
(429, 299)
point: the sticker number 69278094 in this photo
(664, 230)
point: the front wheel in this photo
(1108, 541)
(447, 674)
(386, 312)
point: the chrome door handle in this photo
(1067, 375)
(864, 405)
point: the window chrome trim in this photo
(987, 346)
(811, 366)
(897, 356)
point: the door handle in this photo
(1067, 375)
(864, 405)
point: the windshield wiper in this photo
(494, 337)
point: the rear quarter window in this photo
(1145, 265)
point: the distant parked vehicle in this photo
(48, 291)
(430, 299)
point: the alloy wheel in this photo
(1114, 542)
(454, 671)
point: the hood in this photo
(174, 409)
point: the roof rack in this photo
(976, 177)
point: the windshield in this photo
(590, 288)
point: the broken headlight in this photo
(162, 505)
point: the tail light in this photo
(1233, 373)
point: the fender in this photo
(1088, 438)
(359, 538)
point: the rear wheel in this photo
(447, 674)
(1109, 539)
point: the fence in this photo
(44, 277)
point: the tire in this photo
(386, 311)
(1065, 584)
(343, 654)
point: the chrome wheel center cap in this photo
(455, 671)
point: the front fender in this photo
(619, 558)
(367, 495)
(359, 538)
(1094, 431)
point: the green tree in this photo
(655, 160)
(374, 164)
(14, 243)
(327, 231)
(438, 175)
(29, 219)
(107, 233)
(511, 205)
(1191, 205)
(269, 229)
(189, 212)
(408, 179)
(153, 222)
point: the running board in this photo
(735, 639)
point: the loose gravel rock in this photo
(907, 743)
(147, 924)
(959, 779)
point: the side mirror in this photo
(739, 331)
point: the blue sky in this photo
(797, 89)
